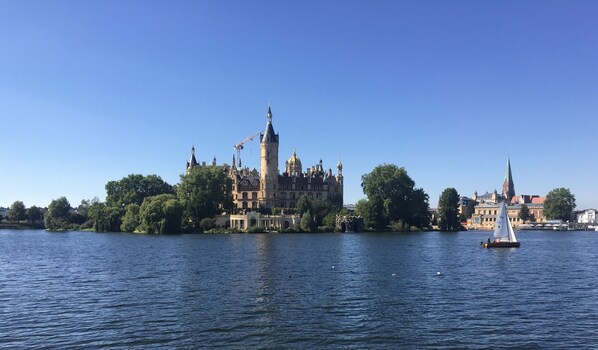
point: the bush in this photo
(256, 229)
(207, 224)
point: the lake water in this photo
(301, 291)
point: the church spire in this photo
(508, 187)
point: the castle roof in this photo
(269, 136)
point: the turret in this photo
(192, 162)
(268, 163)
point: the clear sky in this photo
(91, 91)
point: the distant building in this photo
(463, 203)
(269, 189)
(4, 212)
(485, 212)
(508, 187)
(587, 216)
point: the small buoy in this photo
(438, 273)
(393, 275)
(333, 267)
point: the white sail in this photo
(503, 230)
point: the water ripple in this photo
(119, 291)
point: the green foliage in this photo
(392, 197)
(307, 222)
(17, 212)
(401, 226)
(204, 193)
(256, 229)
(330, 219)
(469, 210)
(161, 214)
(34, 214)
(524, 213)
(207, 224)
(448, 208)
(134, 188)
(372, 212)
(131, 220)
(104, 218)
(281, 211)
(57, 217)
(559, 204)
(83, 208)
(303, 205)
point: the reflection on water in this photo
(420, 290)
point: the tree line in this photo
(147, 204)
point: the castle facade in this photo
(254, 190)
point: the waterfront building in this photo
(245, 220)
(270, 191)
(463, 203)
(485, 211)
(587, 216)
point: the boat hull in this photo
(501, 244)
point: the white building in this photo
(587, 216)
(250, 219)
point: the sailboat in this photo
(504, 237)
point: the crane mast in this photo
(239, 146)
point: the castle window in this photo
(244, 205)
(292, 195)
(310, 195)
(254, 195)
(245, 195)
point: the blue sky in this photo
(91, 91)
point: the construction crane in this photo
(239, 146)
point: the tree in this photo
(57, 217)
(34, 214)
(303, 205)
(17, 211)
(134, 188)
(131, 220)
(392, 196)
(207, 224)
(469, 209)
(524, 213)
(372, 212)
(559, 204)
(307, 222)
(108, 219)
(419, 209)
(448, 208)
(161, 214)
(204, 192)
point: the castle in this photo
(268, 189)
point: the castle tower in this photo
(268, 164)
(192, 162)
(508, 188)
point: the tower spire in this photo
(508, 187)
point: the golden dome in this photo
(294, 164)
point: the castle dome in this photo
(293, 165)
